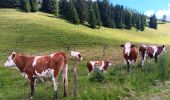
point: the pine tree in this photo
(128, 19)
(92, 17)
(164, 19)
(153, 22)
(81, 7)
(9, 3)
(63, 8)
(138, 23)
(73, 16)
(25, 5)
(50, 6)
(97, 14)
(119, 18)
(105, 12)
(34, 5)
(143, 22)
(112, 16)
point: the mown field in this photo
(41, 33)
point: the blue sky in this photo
(148, 7)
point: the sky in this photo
(147, 7)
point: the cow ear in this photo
(121, 45)
(13, 55)
(132, 46)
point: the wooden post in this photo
(75, 78)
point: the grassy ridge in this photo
(40, 33)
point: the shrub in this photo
(97, 76)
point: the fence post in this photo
(105, 47)
(75, 78)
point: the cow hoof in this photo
(65, 94)
(55, 95)
(30, 98)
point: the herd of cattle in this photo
(51, 65)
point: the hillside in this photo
(41, 33)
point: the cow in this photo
(102, 65)
(34, 67)
(130, 54)
(150, 52)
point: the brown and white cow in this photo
(130, 54)
(150, 52)
(41, 66)
(101, 65)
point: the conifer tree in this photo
(34, 5)
(97, 14)
(81, 7)
(25, 5)
(92, 17)
(153, 22)
(73, 16)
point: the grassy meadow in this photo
(41, 33)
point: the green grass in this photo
(40, 33)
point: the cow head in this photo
(127, 47)
(77, 55)
(108, 63)
(10, 61)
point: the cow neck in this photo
(160, 48)
(20, 62)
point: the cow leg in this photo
(133, 63)
(156, 58)
(65, 79)
(127, 66)
(55, 82)
(32, 84)
(143, 57)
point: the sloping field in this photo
(41, 33)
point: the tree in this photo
(73, 16)
(143, 22)
(128, 20)
(50, 6)
(92, 17)
(112, 16)
(105, 12)
(153, 22)
(138, 22)
(34, 5)
(164, 19)
(9, 3)
(97, 14)
(25, 5)
(81, 7)
(63, 8)
(119, 16)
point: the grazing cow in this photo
(130, 54)
(41, 66)
(150, 52)
(101, 65)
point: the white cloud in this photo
(149, 12)
(168, 4)
(160, 13)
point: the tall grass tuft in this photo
(97, 76)
(163, 67)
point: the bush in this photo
(97, 76)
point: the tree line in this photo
(87, 12)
